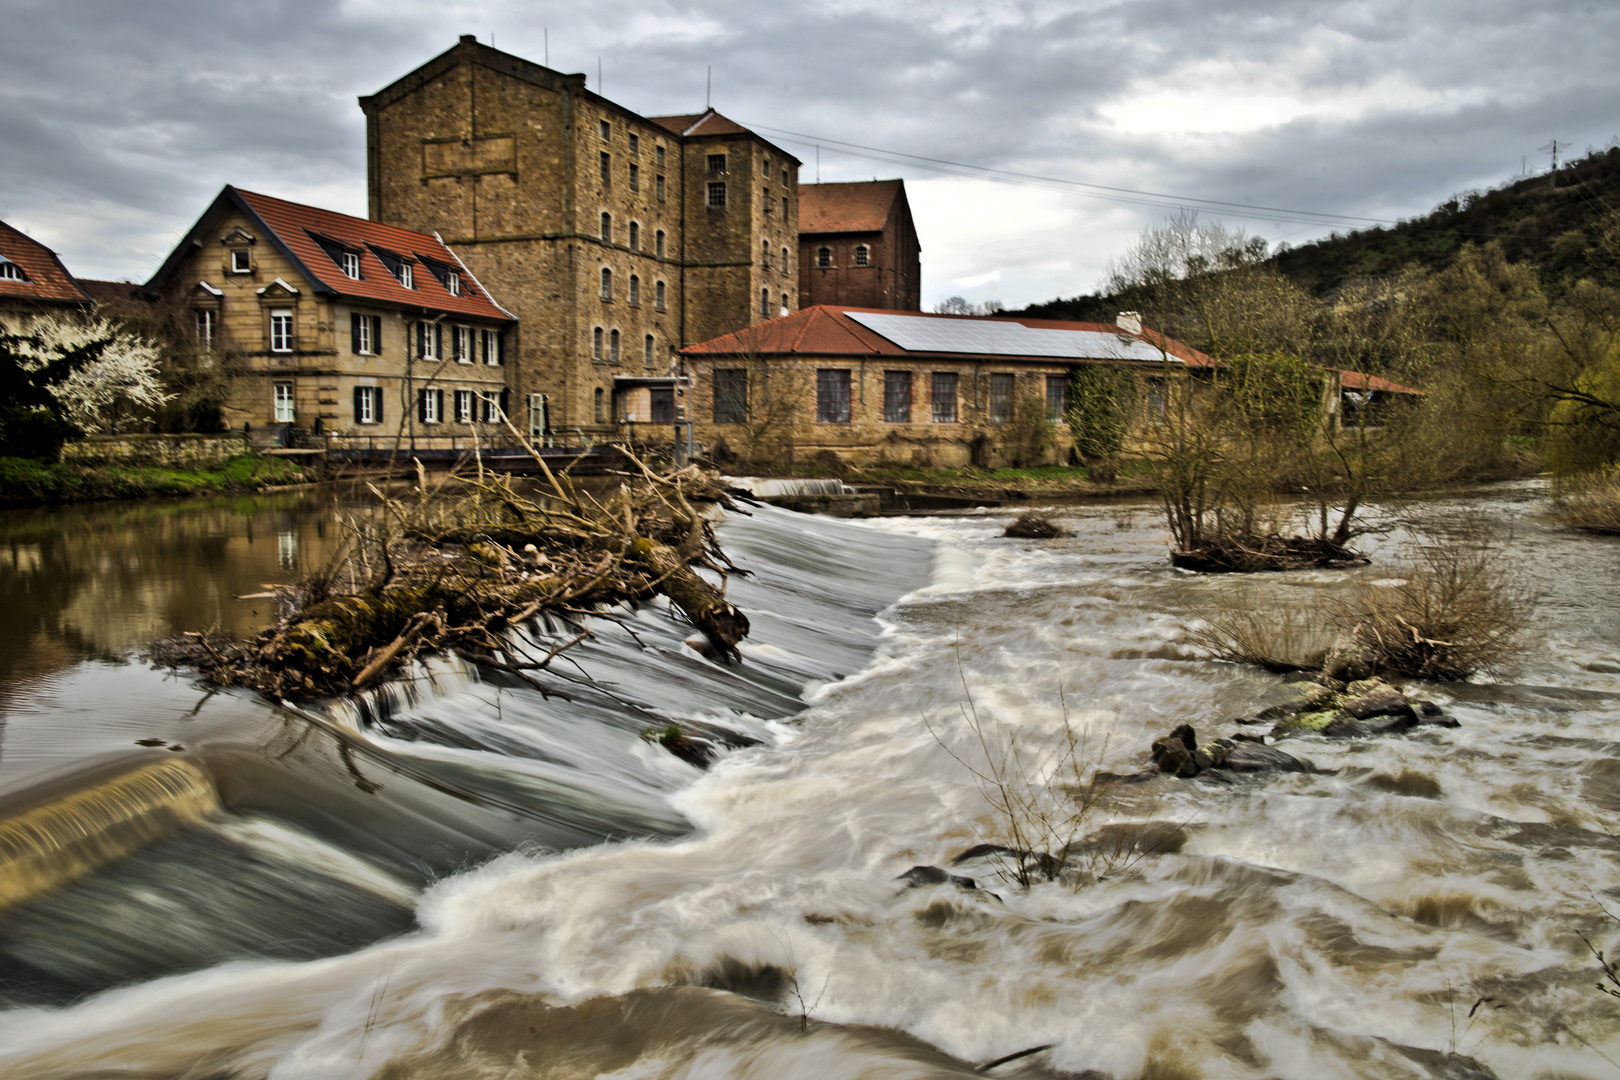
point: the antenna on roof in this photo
(546, 30)
(818, 163)
(598, 74)
(708, 87)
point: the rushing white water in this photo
(1410, 909)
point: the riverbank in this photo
(27, 482)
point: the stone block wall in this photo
(168, 451)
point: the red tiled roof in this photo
(827, 330)
(293, 223)
(862, 206)
(1355, 380)
(48, 280)
(703, 123)
(116, 298)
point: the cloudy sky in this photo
(120, 119)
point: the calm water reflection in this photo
(99, 580)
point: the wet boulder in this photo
(1374, 697)
(921, 876)
(1175, 754)
(1303, 697)
(691, 749)
(1246, 756)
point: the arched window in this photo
(607, 283)
(659, 240)
(824, 256)
(784, 303)
(765, 254)
(599, 396)
(785, 260)
(607, 228)
(596, 345)
(635, 290)
(10, 271)
(649, 347)
(635, 235)
(613, 347)
(658, 296)
(764, 301)
(862, 255)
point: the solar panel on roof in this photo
(921, 333)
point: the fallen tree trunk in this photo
(704, 605)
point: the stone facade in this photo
(170, 451)
(859, 246)
(596, 226)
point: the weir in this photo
(62, 841)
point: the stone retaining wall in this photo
(170, 451)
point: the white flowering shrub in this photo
(102, 377)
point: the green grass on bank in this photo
(26, 482)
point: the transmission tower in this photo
(1552, 148)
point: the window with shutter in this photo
(464, 406)
(376, 336)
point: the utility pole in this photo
(1552, 177)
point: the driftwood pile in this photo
(1251, 554)
(460, 565)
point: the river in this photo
(462, 878)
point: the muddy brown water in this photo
(456, 877)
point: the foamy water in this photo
(1349, 922)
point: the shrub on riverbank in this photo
(27, 482)
(1592, 504)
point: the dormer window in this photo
(717, 163)
(241, 261)
(10, 271)
(452, 283)
(404, 275)
(351, 265)
(863, 255)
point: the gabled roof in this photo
(828, 330)
(48, 281)
(700, 124)
(862, 206)
(1355, 380)
(116, 298)
(292, 228)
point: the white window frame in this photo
(490, 406)
(241, 260)
(206, 319)
(461, 341)
(367, 346)
(369, 397)
(452, 283)
(284, 405)
(405, 277)
(10, 271)
(428, 340)
(281, 330)
(492, 348)
(429, 406)
(351, 265)
(464, 407)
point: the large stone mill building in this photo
(616, 239)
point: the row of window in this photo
(467, 344)
(634, 237)
(471, 406)
(635, 289)
(605, 346)
(765, 257)
(605, 129)
(863, 256)
(833, 396)
(765, 303)
(605, 169)
(349, 261)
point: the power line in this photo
(1131, 196)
